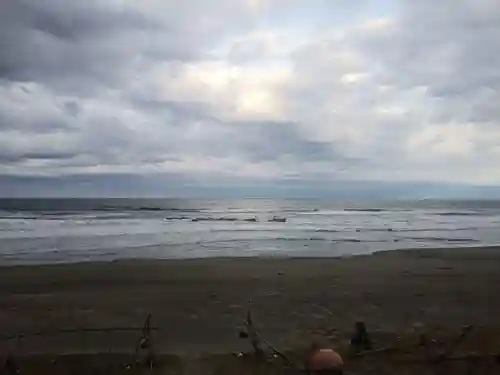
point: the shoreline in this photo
(449, 250)
(201, 303)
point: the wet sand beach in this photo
(199, 305)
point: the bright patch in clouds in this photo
(252, 90)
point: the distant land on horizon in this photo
(124, 186)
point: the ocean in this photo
(34, 231)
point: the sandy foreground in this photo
(200, 305)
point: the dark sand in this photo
(199, 305)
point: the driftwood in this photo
(445, 355)
(257, 340)
(144, 346)
(145, 355)
(253, 335)
(453, 345)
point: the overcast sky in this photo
(247, 92)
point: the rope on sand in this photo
(74, 330)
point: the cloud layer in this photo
(254, 90)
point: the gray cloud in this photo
(6, 157)
(450, 47)
(261, 141)
(236, 89)
(81, 46)
(176, 113)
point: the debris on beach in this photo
(454, 353)
(144, 347)
(326, 361)
(10, 367)
(361, 339)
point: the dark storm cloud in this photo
(71, 108)
(13, 158)
(35, 127)
(79, 45)
(72, 20)
(272, 140)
